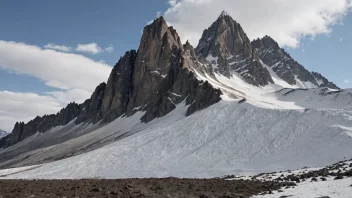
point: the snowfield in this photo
(331, 188)
(226, 138)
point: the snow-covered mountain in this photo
(3, 133)
(228, 106)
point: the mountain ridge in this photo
(285, 66)
(153, 80)
(164, 73)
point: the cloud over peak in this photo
(286, 21)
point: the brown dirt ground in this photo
(168, 187)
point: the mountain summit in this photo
(223, 14)
(226, 47)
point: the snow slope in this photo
(320, 98)
(226, 138)
(280, 95)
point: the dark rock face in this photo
(119, 88)
(170, 83)
(284, 65)
(90, 109)
(159, 45)
(181, 85)
(153, 80)
(226, 48)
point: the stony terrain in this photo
(275, 184)
(168, 187)
(305, 176)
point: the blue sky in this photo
(72, 22)
(329, 54)
(36, 80)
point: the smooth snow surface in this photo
(226, 138)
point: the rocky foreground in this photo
(168, 187)
(330, 181)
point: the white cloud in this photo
(57, 47)
(346, 81)
(24, 107)
(287, 21)
(56, 69)
(341, 39)
(92, 48)
(72, 95)
(75, 74)
(172, 2)
(109, 49)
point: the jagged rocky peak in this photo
(228, 51)
(266, 42)
(224, 13)
(286, 67)
(225, 37)
(158, 43)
